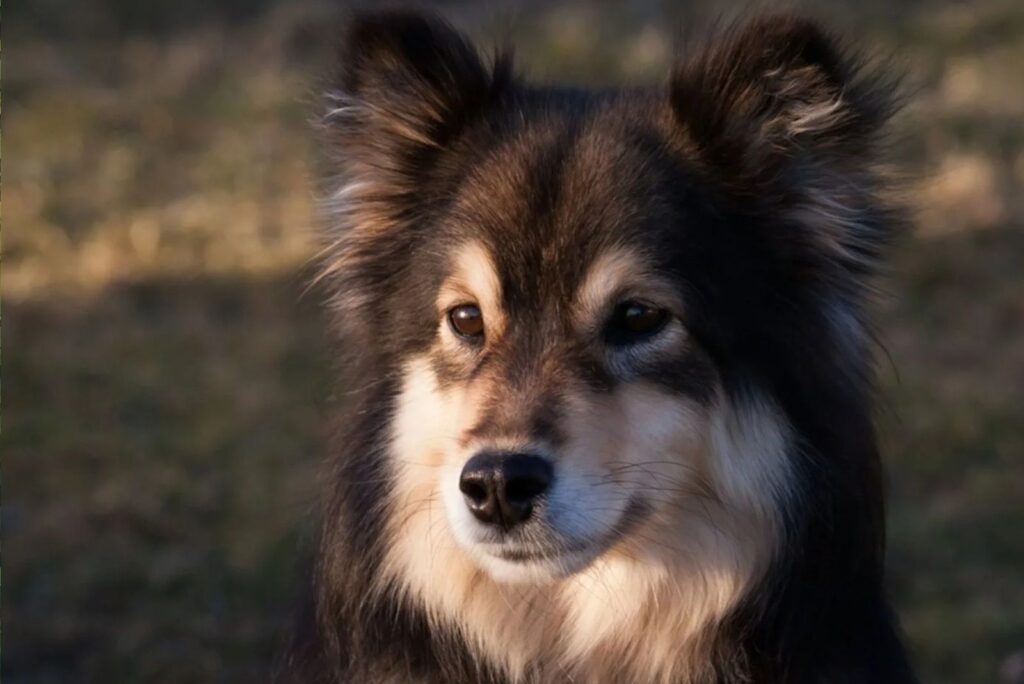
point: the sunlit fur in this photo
(635, 614)
(715, 512)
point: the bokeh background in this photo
(166, 379)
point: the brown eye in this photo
(633, 321)
(466, 320)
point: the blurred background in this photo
(167, 381)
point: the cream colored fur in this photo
(645, 608)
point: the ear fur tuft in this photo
(779, 113)
(412, 77)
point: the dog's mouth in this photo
(569, 554)
(524, 555)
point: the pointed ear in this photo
(778, 111)
(780, 85)
(407, 86)
(407, 81)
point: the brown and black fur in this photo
(749, 181)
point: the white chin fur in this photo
(540, 571)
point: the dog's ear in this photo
(778, 85)
(777, 110)
(407, 82)
(408, 85)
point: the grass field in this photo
(166, 381)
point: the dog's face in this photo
(568, 401)
(571, 294)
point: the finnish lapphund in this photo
(606, 368)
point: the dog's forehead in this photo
(558, 194)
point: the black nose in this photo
(501, 488)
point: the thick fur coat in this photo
(655, 299)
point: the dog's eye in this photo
(633, 321)
(466, 320)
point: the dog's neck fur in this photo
(622, 621)
(627, 618)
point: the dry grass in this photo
(168, 383)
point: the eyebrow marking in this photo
(474, 279)
(619, 272)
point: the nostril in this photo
(473, 490)
(525, 488)
(479, 483)
(526, 477)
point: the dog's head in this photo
(580, 303)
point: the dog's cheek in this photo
(417, 446)
(638, 444)
(419, 438)
(424, 430)
(586, 500)
(667, 434)
(750, 461)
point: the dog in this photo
(607, 367)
